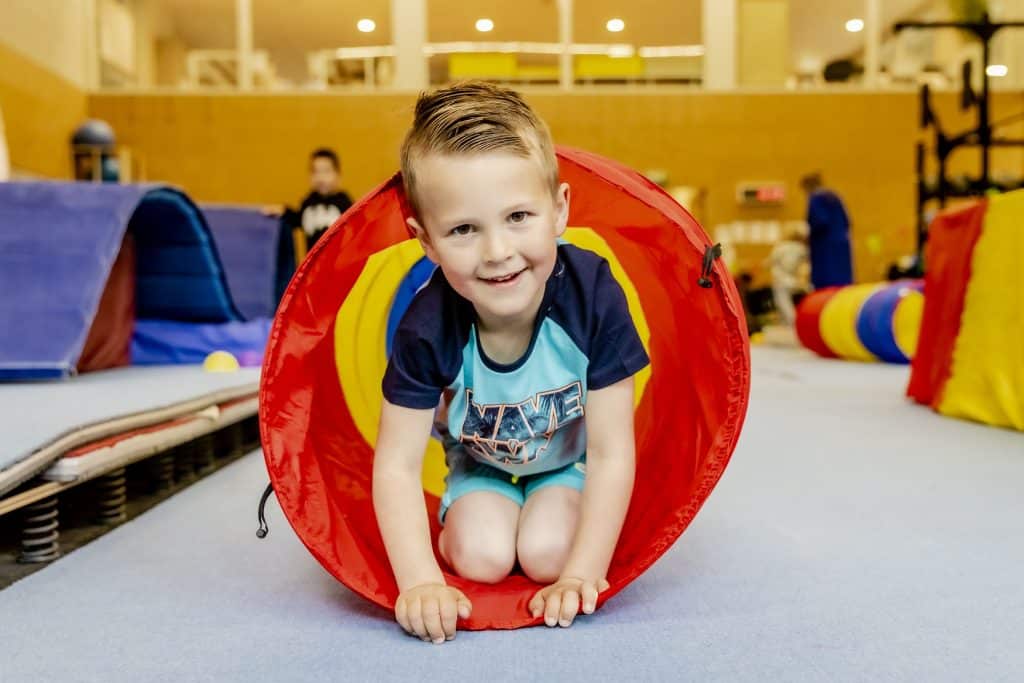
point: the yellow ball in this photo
(220, 361)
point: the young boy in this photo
(521, 337)
(325, 202)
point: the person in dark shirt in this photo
(323, 205)
(829, 239)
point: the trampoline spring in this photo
(252, 433)
(204, 456)
(113, 494)
(206, 446)
(184, 462)
(236, 439)
(165, 471)
(40, 532)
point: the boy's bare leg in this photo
(479, 536)
(547, 526)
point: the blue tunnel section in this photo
(179, 274)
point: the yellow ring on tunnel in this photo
(838, 322)
(906, 322)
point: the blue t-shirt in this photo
(525, 417)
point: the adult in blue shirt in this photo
(829, 238)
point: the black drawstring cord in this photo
(710, 254)
(264, 529)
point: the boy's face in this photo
(323, 177)
(491, 223)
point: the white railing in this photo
(219, 68)
(319, 62)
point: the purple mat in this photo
(247, 242)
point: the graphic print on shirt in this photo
(319, 217)
(517, 434)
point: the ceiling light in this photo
(996, 70)
(855, 25)
(366, 25)
(615, 25)
(484, 25)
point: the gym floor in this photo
(854, 537)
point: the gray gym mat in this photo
(34, 413)
(854, 537)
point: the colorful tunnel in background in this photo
(871, 322)
(320, 391)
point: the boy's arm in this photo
(611, 465)
(398, 495)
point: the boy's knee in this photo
(481, 561)
(542, 556)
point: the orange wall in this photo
(41, 111)
(240, 148)
(254, 149)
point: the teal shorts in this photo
(475, 476)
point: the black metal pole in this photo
(922, 197)
(984, 132)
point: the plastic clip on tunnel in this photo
(321, 395)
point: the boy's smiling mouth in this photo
(507, 279)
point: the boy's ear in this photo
(561, 209)
(423, 237)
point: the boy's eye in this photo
(463, 229)
(518, 216)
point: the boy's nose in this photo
(496, 247)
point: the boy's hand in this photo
(560, 602)
(430, 611)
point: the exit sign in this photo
(761, 194)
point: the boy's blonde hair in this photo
(474, 117)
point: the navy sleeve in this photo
(616, 351)
(424, 354)
(411, 377)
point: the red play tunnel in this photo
(687, 420)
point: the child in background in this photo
(323, 205)
(790, 269)
(529, 347)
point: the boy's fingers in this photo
(402, 615)
(432, 619)
(589, 596)
(603, 585)
(464, 605)
(449, 615)
(416, 618)
(570, 606)
(537, 603)
(553, 608)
